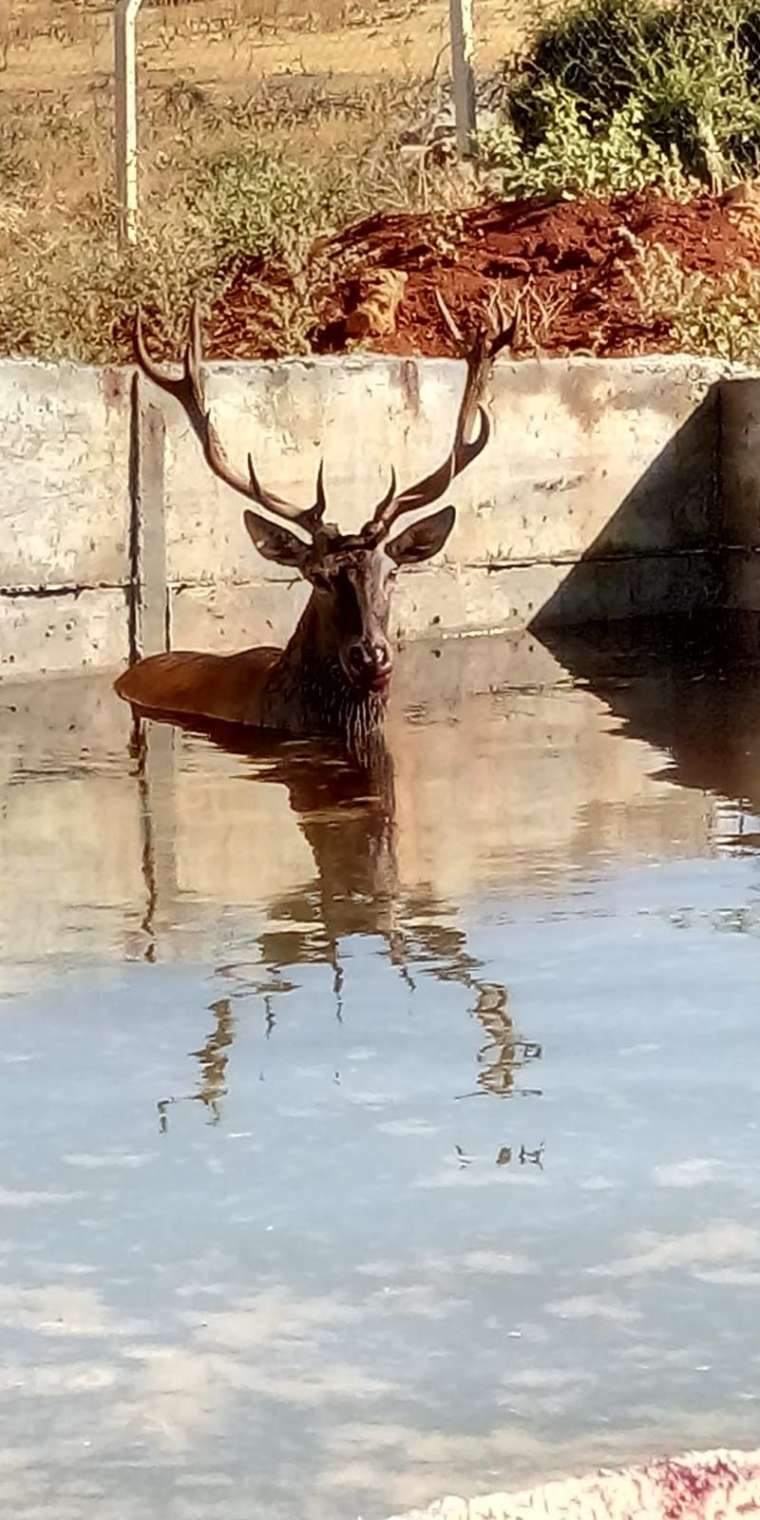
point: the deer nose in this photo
(369, 661)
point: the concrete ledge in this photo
(228, 615)
(506, 596)
(573, 442)
(609, 489)
(740, 455)
(62, 631)
(64, 513)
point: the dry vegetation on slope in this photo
(264, 123)
(269, 127)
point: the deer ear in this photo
(276, 543)
(423, 539)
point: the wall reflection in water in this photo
(348, 817)
(508, 779)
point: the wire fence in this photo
(232, 45)
(384, 67)
(295, 68)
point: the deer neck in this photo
(309, 680)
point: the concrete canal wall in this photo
(609, 489)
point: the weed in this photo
(674, 84)
(574, 158)
(250, 193)
(255, 201)
(705, 315)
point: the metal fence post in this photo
(125, 92)
(462, 74)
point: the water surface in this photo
(355, 1151)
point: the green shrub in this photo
(589, 49)
(681, 80)
(705, 315)
(748, 40)
(261, 202)
(575, 158)
(695, 93)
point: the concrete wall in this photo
(597, 497)
(740, 418)
(64, 517)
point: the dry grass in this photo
(705, 315)
(66, 44)
(217, 182)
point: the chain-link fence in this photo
(310, 74)
(228, 44)
(352, 75)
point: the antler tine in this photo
(320, 504)
(154, 371)
(306, 517)
(448, 317)
(192, 357)
(478, 356)
(389, 495)
(187, 388)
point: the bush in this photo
(261, 202)
(705, 316)
(676, 86)
(589, 50)
(748, 40)
(575, 159)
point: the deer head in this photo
(351, 575)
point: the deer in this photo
(333, 677)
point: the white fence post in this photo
(462, 73)
(125, 91)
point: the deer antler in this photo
(188, 390)
(489, 339)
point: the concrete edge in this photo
(726, 1482)
(486, 588)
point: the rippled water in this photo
(357, 1146)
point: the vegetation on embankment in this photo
(243, 194)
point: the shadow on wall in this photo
(661, 551)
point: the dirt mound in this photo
(573, 266)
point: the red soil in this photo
(571, 260)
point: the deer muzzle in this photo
(368, 664)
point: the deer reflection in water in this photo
(212, 1059)
(346, 811)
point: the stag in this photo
(333, 676)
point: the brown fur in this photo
(225, 687)
(301, 689)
